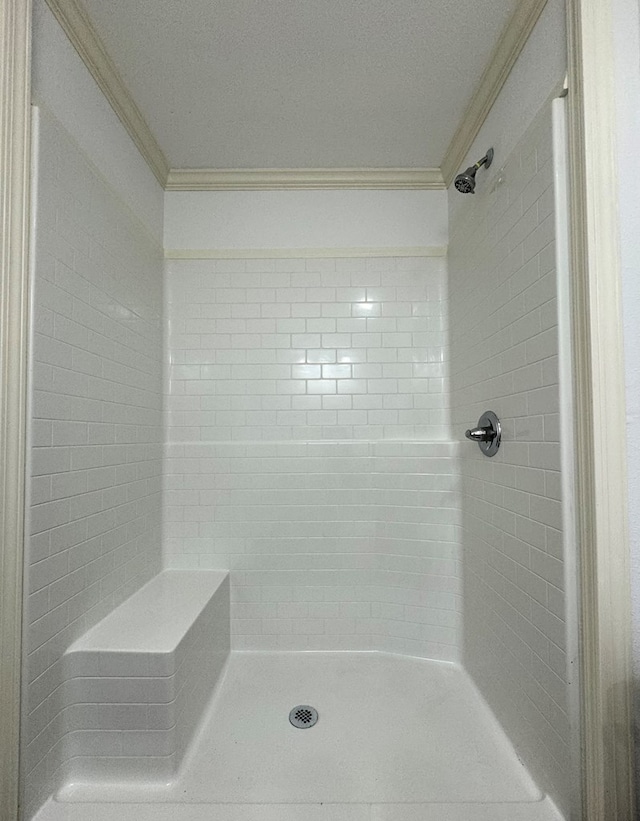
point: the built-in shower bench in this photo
(138, 681)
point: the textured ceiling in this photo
(301, 83)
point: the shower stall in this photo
(267, 574)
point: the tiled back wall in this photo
(308, 448)
(280, 349)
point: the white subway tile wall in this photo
(308, 449)
(504, 357)
(279, 349)
(332, 545)
(96, 426)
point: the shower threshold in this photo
(398, 739)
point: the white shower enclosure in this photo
(249, 486)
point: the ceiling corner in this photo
(76, 24)
(507, 50)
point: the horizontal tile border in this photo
(304, 253)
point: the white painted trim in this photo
(506, 52)
(303, 253)
(274, 179)
(567, 439)
(15, 148)
(608, 790)
(84, 38)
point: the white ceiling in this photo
(301, 83)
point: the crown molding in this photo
(84, 38)
(506, 52)
(272, 179)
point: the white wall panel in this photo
(304, 219)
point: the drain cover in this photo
(303, 716)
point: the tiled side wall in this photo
(504, 357)
(96, 428)
(308, 452)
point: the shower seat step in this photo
(137, 682)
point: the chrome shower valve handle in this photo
(487, 434)
(480, 434)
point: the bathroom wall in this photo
(96, 375)
(309, 448)
(279, 222)
(307, 349)
(504, 357)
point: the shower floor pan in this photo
(397, 739)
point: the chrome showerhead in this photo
(465, 182)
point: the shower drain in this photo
(303, 716)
